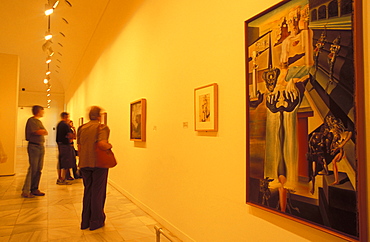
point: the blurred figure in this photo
(74, 170)
(94, 178)
(67, 154)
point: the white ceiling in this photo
(23, 26)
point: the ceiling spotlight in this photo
(48, 35)
(49, 101)
(48, 95)
(48, 60)
(48, 9)
(46, 80)
(48, 72)
(54, 3)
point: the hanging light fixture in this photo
(46, 47)
(54, 3)
(50, 52)
(48, 35)
(48, 9)
(46, 80)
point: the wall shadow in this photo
(114, 19)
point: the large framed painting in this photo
(138, 120)
(206, 108)
(305, 118)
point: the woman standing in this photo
(94, 178)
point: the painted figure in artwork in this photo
(332, 56)
(325, 147)
(285, 88)
(318, 49)
(281, 145)
(318, 155)
(136, 128)
(340, 137)
(316, 158)
(205, 110)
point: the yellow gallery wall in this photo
(191, 182)
(9, 79)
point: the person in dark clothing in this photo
(75, 171)
(94, 178)
(35, 133)
(66, 152)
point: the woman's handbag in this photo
(104, 158)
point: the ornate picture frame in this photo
(206, 108)
(138, 120)
(305, 114)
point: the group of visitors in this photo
(94, 178)
(66, 133)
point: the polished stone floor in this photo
(56, 216)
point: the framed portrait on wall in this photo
(80, 121)
(138, 120)
(206, 108)
(305, 114)
(104, 118)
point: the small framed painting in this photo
(80, 121)
(205, 108)
(138, 120)
(104, 118)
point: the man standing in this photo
(35, 132)
(67, 154)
